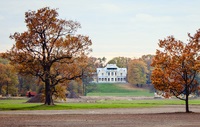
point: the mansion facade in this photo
(111, 74)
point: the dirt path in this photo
(102, 120)
(168, 116)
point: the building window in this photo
(102, 74)
(115, 79)
(105, 79)
(121, 74)
(108, 73)
(112, 79)
(108, 79)
(121, 79)
(99, 79)
(112, 73)
(115, 73)
(102, 79)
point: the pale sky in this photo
(129, 28)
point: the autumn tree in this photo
(49, 49)
(8, 80)
(87, 67)
(176, 65)
(137, 70)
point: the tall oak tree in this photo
(49, 49)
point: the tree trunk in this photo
(48, 94)
(187, 104)
(186, 99)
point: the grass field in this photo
(109, 89)
(102, 90)
(22, 105)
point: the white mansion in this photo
(111, 73)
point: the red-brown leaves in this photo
(176, 66)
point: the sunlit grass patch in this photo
(110, 89)
(14, 104)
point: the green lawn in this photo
(22, 105)
(109, 89)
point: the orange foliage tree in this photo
(137, 70)
(8, 80)
(176, 66)
(49, 49)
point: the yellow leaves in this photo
(137, 70)
(8, 76)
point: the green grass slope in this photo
(109, 89)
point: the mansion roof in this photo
(111, 67)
